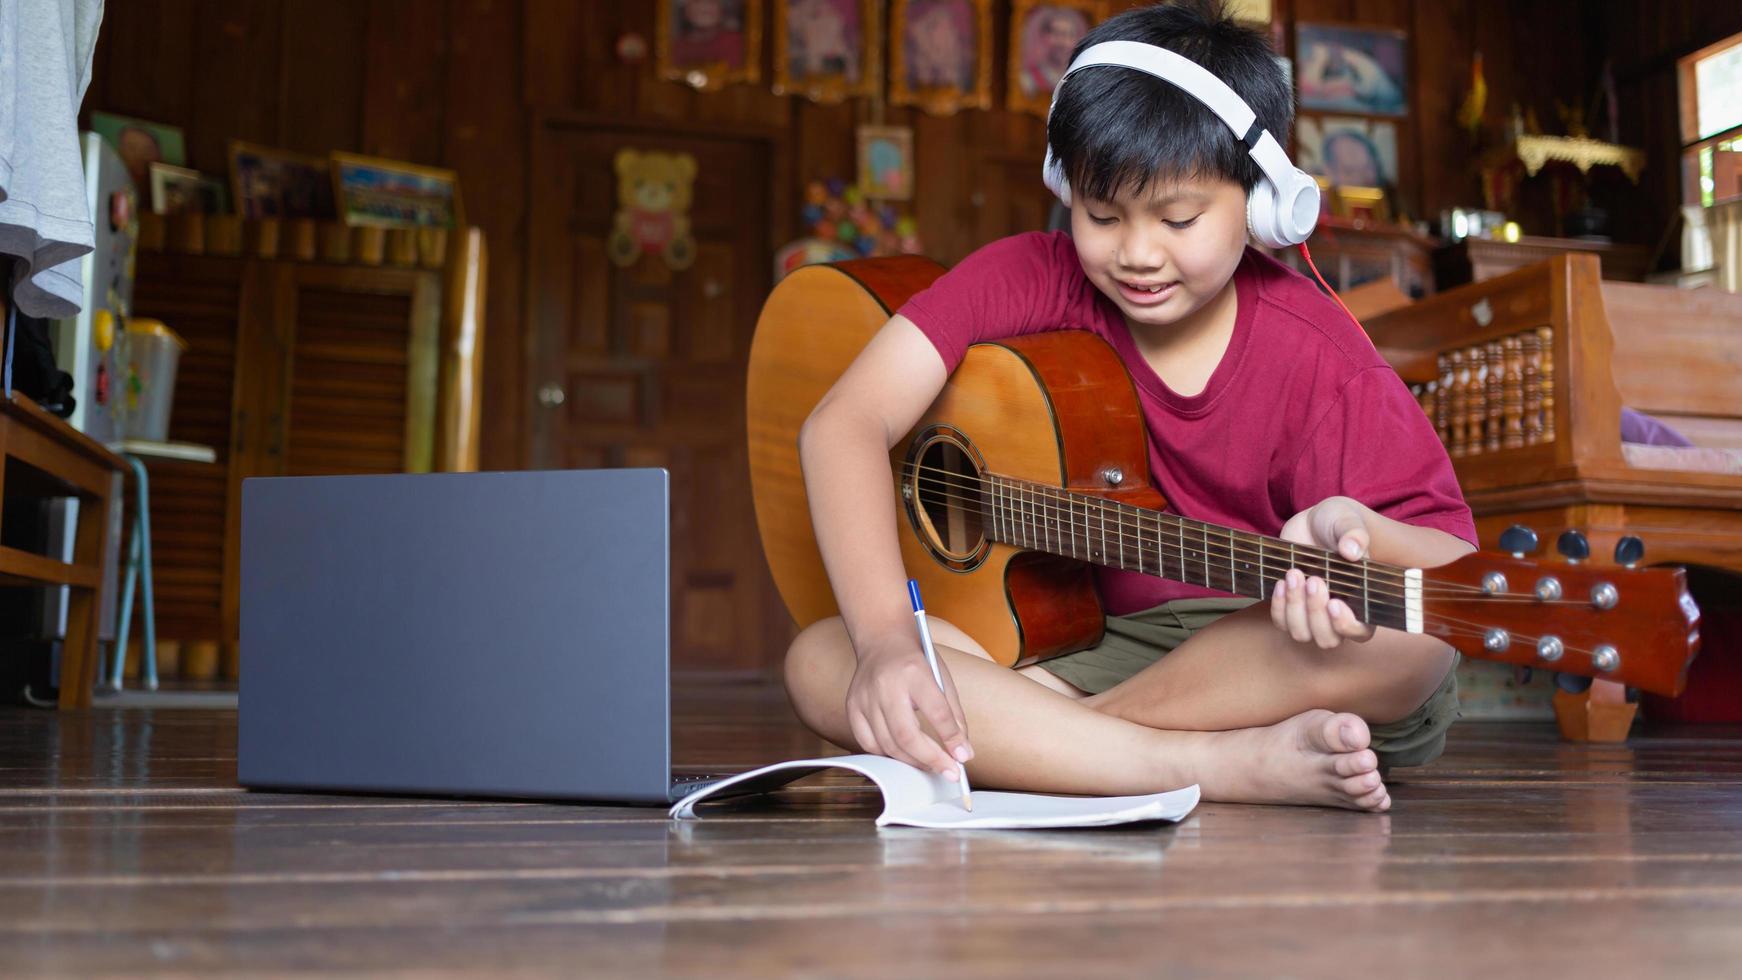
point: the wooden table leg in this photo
(80, 651)
(1601, 713)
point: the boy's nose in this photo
(1142, 253)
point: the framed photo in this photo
(886, 162)
(826, 50)
(1042, 34)
(267, 182)
(1351, 69)
(709, 43)
(1347, 151)
(1366, 204)
(940, 54)
(140, 143)
(392, 194)
(178, 190)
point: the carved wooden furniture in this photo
(314, 348)
(1525, 376)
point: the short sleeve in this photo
(1374, 443)
(1018, 285)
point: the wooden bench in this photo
(1525, 376)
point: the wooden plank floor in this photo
(126, 848)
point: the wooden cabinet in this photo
(1349, 255)
(1480, 259)
(297, 366)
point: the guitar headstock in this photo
(1638, 626)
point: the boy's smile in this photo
(1164, 254)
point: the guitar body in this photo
(1054, 408)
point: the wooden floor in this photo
(126, 848)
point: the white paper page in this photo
(915, 798)
(1017, 810)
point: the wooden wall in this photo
(1645, 39)
(461, 83)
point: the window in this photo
(1711, 122)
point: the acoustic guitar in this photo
(1031, 467)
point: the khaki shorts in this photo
(1135, 641)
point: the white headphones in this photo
(1281, 209)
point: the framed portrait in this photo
(886, 162)
(826, 50)
(940, 55)
(267, 182)
(1042, 34)
(1348, 151)
(1351, 69)
(178, 190)
(392, 194)
(709, 43)
(140, 143)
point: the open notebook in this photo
(914, 798)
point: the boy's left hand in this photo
(1301, 606)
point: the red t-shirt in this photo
(1300, 408)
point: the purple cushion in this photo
(1642, 429)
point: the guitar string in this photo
(1217, 560)
(1343, 572)
(1457, 626)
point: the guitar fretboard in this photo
(1104, 532)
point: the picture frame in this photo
(1347, 150)
(372, 191)
(267, 182)
(1347, 68)
(178, 190)
(1042, 35)
(141, 142)
(1361, 204)
(827, 50)
(708, 44)
(886, 162)
(940, 55)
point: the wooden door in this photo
(644, 365)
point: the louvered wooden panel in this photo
(198, 298)
(349, 385)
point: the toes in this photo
(1356, 787)
(1377, 801)
(1355, 763)
(1344, 733)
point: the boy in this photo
(1266, 408)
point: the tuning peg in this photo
(1628, 551)
(1519, 540)
(1573, 546)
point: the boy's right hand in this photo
(891, 687)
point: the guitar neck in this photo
(1037, 517)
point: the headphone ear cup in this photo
(1261, 215)
(1053, 176)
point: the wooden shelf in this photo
(297, 239)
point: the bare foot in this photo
(1316, 758)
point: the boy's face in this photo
(1185, 238)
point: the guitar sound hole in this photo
(949, 494)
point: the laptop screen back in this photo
(476, 634)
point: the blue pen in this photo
(931, 659)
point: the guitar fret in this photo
(1233, 581)
(1122, 563)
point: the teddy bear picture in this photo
(654, 191)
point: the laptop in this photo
(463, 634)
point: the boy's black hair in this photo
(1116, 128)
